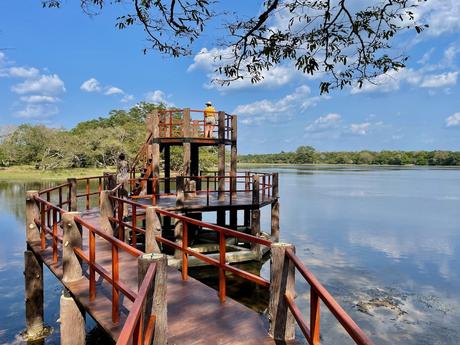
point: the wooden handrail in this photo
(134, 322)
(318, 291)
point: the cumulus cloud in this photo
(158, 96)
(360, 128)
(91, 85)
(440, 80)
(207, 61)
(39, 99)
(323, 123)
(37, 111)
(23, 72)
(273, 110)
(453, 120)
(112, 90)
(44, 84)
(443, 16)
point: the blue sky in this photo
(59, 67)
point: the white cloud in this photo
(127, 98)
(112, 90)
(443, 16)
(38, 111)
(453, 120)
(45, 84)
(323, 123)
(360, 128)
(440, 80)
(23, 72)
(91, 85)
(158, 96)
(39, 99)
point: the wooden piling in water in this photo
(33, 278)
(156, 303)
(255, 217)
(275, 209)
(282, 282)
(221, 156)
(72, 320)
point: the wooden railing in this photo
(87, 185)
(139, 211)
(208, 185)
(133, 330)
(319, 293)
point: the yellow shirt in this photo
(210, 111)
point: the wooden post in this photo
(32, 213)
(233, 219)
(167, 166)
(110, 181)
(255, 219)
(155, 149)
(106, 211)
(179, 191)
(186, 148)
(192, 188)
(72, 238)
(275, 211)
(282, 281)
(152, 230)
(33, 278)
(156, 302)
(72, 320)
(73, 194)
(221, 156)
(234, 156)
(221, 217)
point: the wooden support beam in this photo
(156, 302)
(32, 213)
(180, 191)
(167, 166)
(282, 282)
(155, 148)
(72, 238)
(255, 216)
(233, 219)
(106, 211)
(234, 157)
(221, 217)
(33, 278)
(152, 229)
(73, 194)
(275, 209)
(195, 164)
(221, 156)
(72, 320)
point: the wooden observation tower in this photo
(229, 198)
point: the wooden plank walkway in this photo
(195, 314)
(201, 202)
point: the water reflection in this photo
(385, 242)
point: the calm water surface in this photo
(385, 242)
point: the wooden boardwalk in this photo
(195, 314)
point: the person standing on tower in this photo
(210, 115)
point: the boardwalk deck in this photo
(202, 203)
(195, 314)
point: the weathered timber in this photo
(155, 163)
(156, 302)
(73, 194)
(72, 320)
(221, 155)
(109, 180)
(32, 213)
(33, 277)
(186, 148)
(234, 157)
(255, 216)
(71, 265)
(106, 211)
(275, 209)
(152, 229)
(282, 282)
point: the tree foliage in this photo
(344, 41)
(306, 155)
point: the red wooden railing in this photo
(88, 193)
(319, 293)
(133, 329)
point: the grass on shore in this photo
(28, 172)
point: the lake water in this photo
(384, 241)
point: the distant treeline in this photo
(308, 155)
(94, 143)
